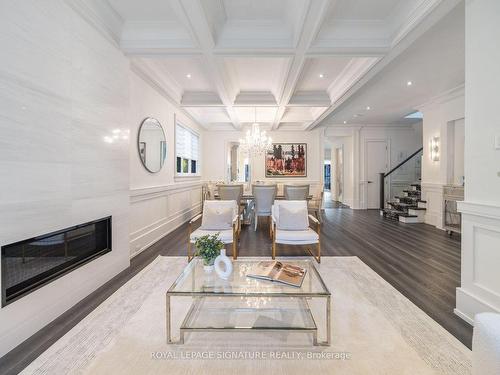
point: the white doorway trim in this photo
(364, 181)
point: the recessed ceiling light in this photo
(345, 122)
(321, 75)
(368, 108)
(409, 83)
(188, 75)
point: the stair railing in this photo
(383, 176)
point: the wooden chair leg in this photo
(235, 251)
(236, 235)
(274, 243)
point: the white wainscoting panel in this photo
(433, 194)
(155, 212)
(480, 284)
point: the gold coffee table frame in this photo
(193, 283)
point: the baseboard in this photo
(463, 316)
(469, 305)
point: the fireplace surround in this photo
(32, 263)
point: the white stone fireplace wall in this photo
(63, 88)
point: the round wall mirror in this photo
(152, 145)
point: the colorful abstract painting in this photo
(287, 160)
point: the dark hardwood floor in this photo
(420, 261)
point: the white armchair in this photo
(218, 217)
(486, 344)
(291, 226)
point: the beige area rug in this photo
(375, 330)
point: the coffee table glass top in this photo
(195, 281)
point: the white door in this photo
(376, 163)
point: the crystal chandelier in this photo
(256, 141)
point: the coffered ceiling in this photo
(283, 63)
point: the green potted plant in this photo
(208, 248)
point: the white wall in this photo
(215, 156)
(459, 151)
(439, 114)
(63, 89)
(480, 284)
(159, 202)
(400, 139)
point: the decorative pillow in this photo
(293, 218)
(217, 218)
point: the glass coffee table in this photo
(243, 304)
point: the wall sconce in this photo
(435, 149)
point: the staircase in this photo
(408, 208)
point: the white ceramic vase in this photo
(223, 265)
(208, 269)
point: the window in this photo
(187, 145)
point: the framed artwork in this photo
(287, 160)
(142, 151)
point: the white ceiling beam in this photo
(428, 17)
(310, 27)
(148, 73)
(192, 15)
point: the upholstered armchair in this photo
(220, 217)
(290, 226)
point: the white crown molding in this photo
(309, 29)
(351, 73)
(255, 98)
(265, 34)
(193, 16)
(101, 16)
(358, 34)
(154, 81)
(411, 36)
(309, 98)
(443, 97)
(423, 9)
(201, 99)
(368, 126)
(155, 35)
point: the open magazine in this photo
(285, 273)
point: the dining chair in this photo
(296, 192)
(290, 226)
(218, 217)
(316, 203)
(264, 196)
(228, 192)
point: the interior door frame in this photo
(364, 181)
(339, 174)
(227, 173)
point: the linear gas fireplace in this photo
(28, 265)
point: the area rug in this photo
(375, 330)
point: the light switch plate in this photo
(497, 142)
